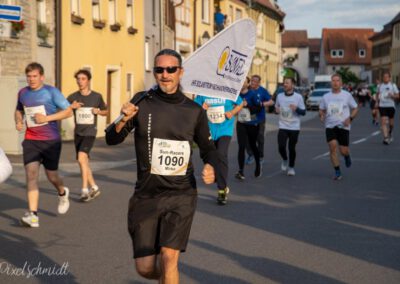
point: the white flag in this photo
(219, 68)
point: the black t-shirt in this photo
(170, 117)
(85, 120)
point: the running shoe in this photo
(85, 195)
(30, 220)
(391, 139)
(63, 202)
(291, 172)
(258, 171)
(386, 141)
(223, 196)
(338, 175)
(239, 175)
(94, 192)
(347, 161)
(284, 165)
(262, 160)
(250, 160)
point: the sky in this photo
(314, 15)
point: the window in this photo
(75, 7)
(361, 53)
(96, 10)
(129, 13)
(205, 11)
(147, 55)
(112, 12)
(129, 84)
(238, 15)
(41, 12)
(186, 13)
(337, 53)
(169, 14)
(153, 12)
(230, 15)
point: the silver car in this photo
(315, 98)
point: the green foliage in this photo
(348, 76)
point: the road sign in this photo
(10, 13)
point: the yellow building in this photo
(233, 9)
(267, 57)
(203, 22)
(106, 37)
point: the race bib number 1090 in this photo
(170, 157)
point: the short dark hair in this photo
(84, 72)
(291, 79)
(256, 76)
(34, 66)
(169, 52)
(337, 75)
(386, 72)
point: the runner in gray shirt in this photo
(87, 105)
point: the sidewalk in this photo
(102, 157)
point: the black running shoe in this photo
(223, 196)
(239, 175)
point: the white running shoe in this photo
(30, 220)
(94, 192)
(63, 202)
(284, 165)
(291, 172)
(85, 195)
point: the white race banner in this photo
(219, 68)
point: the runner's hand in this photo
(19, 126)
(228, 115)
(76, 105)
(39, 118)
(293, 107)
(347, 122)
(129, 110)
(205, 106)
(208, 174)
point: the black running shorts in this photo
(160, 222)
(83, 144)
(387, 111)
(46, 152)
(339, 134)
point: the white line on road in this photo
(320, 156)
(359, 141)
(375, 133)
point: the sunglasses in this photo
(170, 70)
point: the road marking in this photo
(387, 232)
(320, 156)
(375, 133)
(359, 141)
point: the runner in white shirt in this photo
(387, 93)
(289, 105)
(337, 109)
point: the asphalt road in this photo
(275, 229)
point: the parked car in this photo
(322, 82)
(315, 98)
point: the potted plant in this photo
(132, 30)
(43, 32)
(99, 24)
(77, 19)
(115, 27)
(16, 28)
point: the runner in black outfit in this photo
(162, 207)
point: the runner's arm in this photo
(19, 118)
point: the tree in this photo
(348, 76)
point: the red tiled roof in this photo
(295, 38)
(350, 41)
(314, 44)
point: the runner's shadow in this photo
(267, 268)
(20, 252)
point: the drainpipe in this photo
(58, 43)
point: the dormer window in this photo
(361, 53)
(337, 53)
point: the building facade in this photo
(395, 50)
(106, 37)
(32, 39)
(347, 48)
